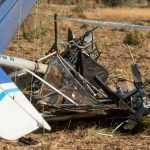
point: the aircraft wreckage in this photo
(65, 86)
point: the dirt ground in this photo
(115, 57)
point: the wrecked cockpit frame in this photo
(74, 85)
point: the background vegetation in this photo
(111, 3)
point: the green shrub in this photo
(133, 38)
(145, 121)
(148, 34)
(36, 33)
(79, 8)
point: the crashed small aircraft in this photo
(65, 86)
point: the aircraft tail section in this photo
(17, 115)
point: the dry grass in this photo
(82, 139)
(116, 14)
(119, 14)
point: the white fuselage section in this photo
(18, 63)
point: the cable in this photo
(18, 44)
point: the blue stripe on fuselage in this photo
(5, 92)
(4, 78)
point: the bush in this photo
(148, 2)
(119, 3)
(145, 121)
(36, 33)
(148, 34)
(133, 38)
(79, 8)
